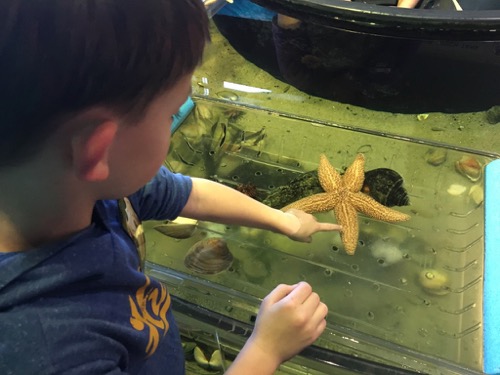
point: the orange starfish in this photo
(343, 195)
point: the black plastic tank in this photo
(442, 56)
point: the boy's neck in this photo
(37, 207)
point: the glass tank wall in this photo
(410, 298)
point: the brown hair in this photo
(60, 57)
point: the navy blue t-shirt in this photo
(83, 306)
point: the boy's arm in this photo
(215, 202)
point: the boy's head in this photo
(61, 57)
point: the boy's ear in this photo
(91, 151)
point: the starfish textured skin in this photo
(343, 195)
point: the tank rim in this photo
(420, 24)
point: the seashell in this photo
(469, 167)
(216, 361)
(179, 228)
(386, 186)
(434, 282)
(228, 95)
(209, 256)
(476, 193)
(456, 189)
(436, 156)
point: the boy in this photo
(88, 89)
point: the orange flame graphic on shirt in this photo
(149, 309)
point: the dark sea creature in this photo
(209, 256)
(248, 189)
(304, 185)
(382, 184)
(233, 113)
(386, 186)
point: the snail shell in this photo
(209, 256)
(434, 282)
(386, 186)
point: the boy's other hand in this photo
(304, 225)
(290, 318)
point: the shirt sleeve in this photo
(162, 198)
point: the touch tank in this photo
(411, 298)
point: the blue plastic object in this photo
(180, 116)
(247, 9)
(491, 301)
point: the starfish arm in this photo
(347, 216)
(354, 176)
(321, 202)
(370, 207)
(329, 178)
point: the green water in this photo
(376, 291)
(265, 139)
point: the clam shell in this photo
(469, 167)
(476, 193)
(456, 189)
(209, 256)
(436, 156)
(180, 228)
(216, 361)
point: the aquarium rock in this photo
(493, 115)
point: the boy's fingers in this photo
(321, 327)
(320, 312)
(280, 292)
(300, 293)
(329, 227)
(311, 305)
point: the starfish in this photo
(343, 195)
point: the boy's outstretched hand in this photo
(305, 225)
(290, 318)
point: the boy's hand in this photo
(290, 318)
(304, 225)
(287, 22)
(407, 3)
